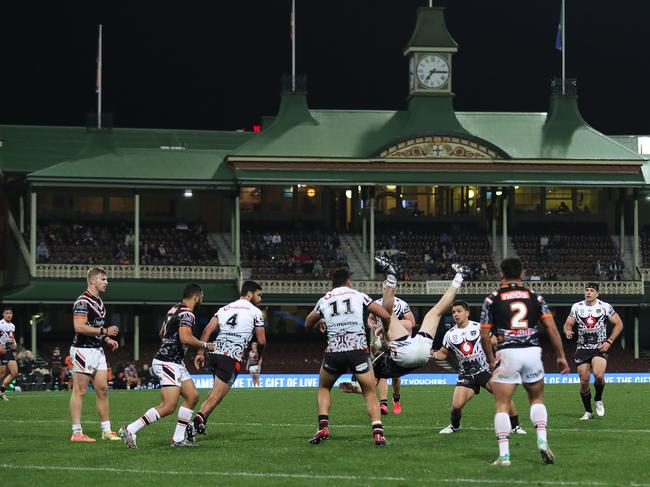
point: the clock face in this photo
(433, 71)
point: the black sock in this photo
(455, 418)
(323, 421)
(396, 397)
(586, 400)
(599, 386)
(377, 428)
(384, 402)
(2, 389)
(514, 421)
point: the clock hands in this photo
(433, 71)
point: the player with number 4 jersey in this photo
(236, 324)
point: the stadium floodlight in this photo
(188, 193)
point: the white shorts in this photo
(519, 365)
(412, 352)
(87, 360)
(254, 369)
(170, 373)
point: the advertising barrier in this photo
(244, 381)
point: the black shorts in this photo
(355, 361)
(584, 356)
(226, 369)
(7, 357)
(386, 368)
(474, 382)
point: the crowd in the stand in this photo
(292, 255)
(104, 243)
(426, 253)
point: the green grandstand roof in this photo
(142, 291)
(29, 148)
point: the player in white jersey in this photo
(342, 309)
(87, 354)
(254, 364)
(169, 366)
(463, 343)
(592, 316)
(8, 364)
(236, 322)
(405, 353)
(403, 312)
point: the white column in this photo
(32, 233)
(136, 337)
(136, 240)
(635, 243)
(636, 337)
(237, 233)
(622, 223)
(33, 323)
(505, 224)
(364, 234)
(371, 238)
(22, 215)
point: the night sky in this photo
(218, 64)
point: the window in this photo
(528, 198)
(559, 200)
(587, 200)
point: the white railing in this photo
(439, 287)
(645, 272)
(278, 286)
(199, 273)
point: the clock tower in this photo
(430, 51)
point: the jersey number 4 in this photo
(520, 312)
(232, 321)
(335, 307)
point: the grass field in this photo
(260, 437)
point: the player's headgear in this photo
(592, 285)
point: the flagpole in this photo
(293, 45)
(99, 79)
(562, 32)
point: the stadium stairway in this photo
(357, 259)
(626, 252)
(222, 243)
(497, 249)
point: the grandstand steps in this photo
(497, 249)
(626, 251)
(221, 241)
(358, 261)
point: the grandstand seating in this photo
(291, 255)
(112, 243)
(574, 251)
(426, 252)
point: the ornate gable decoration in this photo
(440, 147)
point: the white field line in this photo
(283, 475)
(310, 426)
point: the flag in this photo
(558, 38)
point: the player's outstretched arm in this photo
(568, 327)
(441, 354)
(556, 341)
(186, 337)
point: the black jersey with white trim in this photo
(92, 308)
(172, 349)
(513, 313)
(592, 322)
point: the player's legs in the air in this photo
(598, 368)
(584, 371)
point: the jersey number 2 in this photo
(518, 320)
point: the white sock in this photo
(76, 429)
(184, 418)
(391, 281)
(106, 426)
(539, 417)
(502, 430)
(458, 280)
(149, 417)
